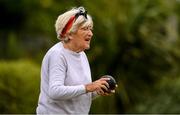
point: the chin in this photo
(88, 47)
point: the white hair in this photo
(63, 19)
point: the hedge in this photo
(19, 86)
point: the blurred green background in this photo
(136, 41)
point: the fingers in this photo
(101, 86)
(98, 84)
(103, 81)
(103, 93)
(100, 92)
(104, 87)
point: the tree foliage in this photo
(19, 86)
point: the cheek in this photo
(83, 34)
(82, 37)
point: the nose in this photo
(90, 33)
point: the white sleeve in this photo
(57, 71)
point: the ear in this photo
(69, 35)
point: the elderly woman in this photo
(66, 85)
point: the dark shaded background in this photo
(136, 41)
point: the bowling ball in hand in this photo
(112, 83)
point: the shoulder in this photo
(83, 53)
(56, 49)
(54, 52)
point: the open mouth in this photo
(87, 39)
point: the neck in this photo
(71, 47)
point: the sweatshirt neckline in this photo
(70, 51)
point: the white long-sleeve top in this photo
(64, 74)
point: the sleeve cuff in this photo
(82, 88)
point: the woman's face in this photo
(82, 38)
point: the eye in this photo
(87, 28)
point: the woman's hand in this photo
(105, 93)
(100, 86)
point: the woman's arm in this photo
(57, 72)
